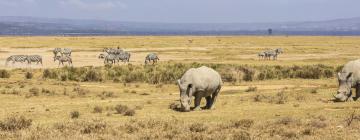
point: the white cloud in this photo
(92, 5)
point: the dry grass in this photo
(285, 99)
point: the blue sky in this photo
(185, 11)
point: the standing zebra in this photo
(279, 50)
(63, 59)
(261, 55)
(34, 58)
(110, 58)
(16, 58)
(56, 51)
(272, 53)
(124, 57)
(151, 57)
(66, 51)
(112, 50)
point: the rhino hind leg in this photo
(213, 98)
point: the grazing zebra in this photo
(151, 57)
(34, 58)
(66, 51)
(124, 57)
(63, 59)
(110, 58)
(56, 51)
(16, 58)
(101, 56)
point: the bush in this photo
(29, 75)
(129, 112)
(15, 123)
(74, 114)
(198, 127)
(34, 91)
(120, 109)
(251, 89)
(97, 109)
(51, 74)
(4, 74)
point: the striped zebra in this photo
(124, 57)
(63, 59)
(272, 53)
(151, 57)
(110, 58)
(112, 50)
(56, 51)
(279, 50)
(66, 52)
(34, 58)
(16, 58)
(261, 55)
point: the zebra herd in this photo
(24, 58)
(266, 55)
(65, 55)
(115, 55)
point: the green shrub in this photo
(4, 74)
(15, 123)
(29, 75)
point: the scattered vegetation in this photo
(13, 123)
(74, 114)
(4, 74)
(29, 75)
(168, 72)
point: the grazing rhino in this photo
(349, 77)
(199, 82)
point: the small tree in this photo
(270, 31)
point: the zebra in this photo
(272, 53)
(112, 50)
(261, 55)
(124, 57)
(66, 51)
(16, 58)
(110, 58)
(56, 51)
(279, 50)
(63, 59)
(34, 58)
(151, 57)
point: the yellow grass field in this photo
(277, 108)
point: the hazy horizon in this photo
(185, 11)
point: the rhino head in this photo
(185, 96)
(345, 83)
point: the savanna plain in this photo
(288, 98)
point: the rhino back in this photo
(202, 78)
(354, 67)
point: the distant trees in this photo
(270, 31)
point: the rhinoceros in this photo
(199, 82)
(349, 77)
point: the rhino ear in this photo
(189, 90)
(338, 74)
(178, 82)
(349, 75)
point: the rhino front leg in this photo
(197, 102)
(213, 98)
(208, 102)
